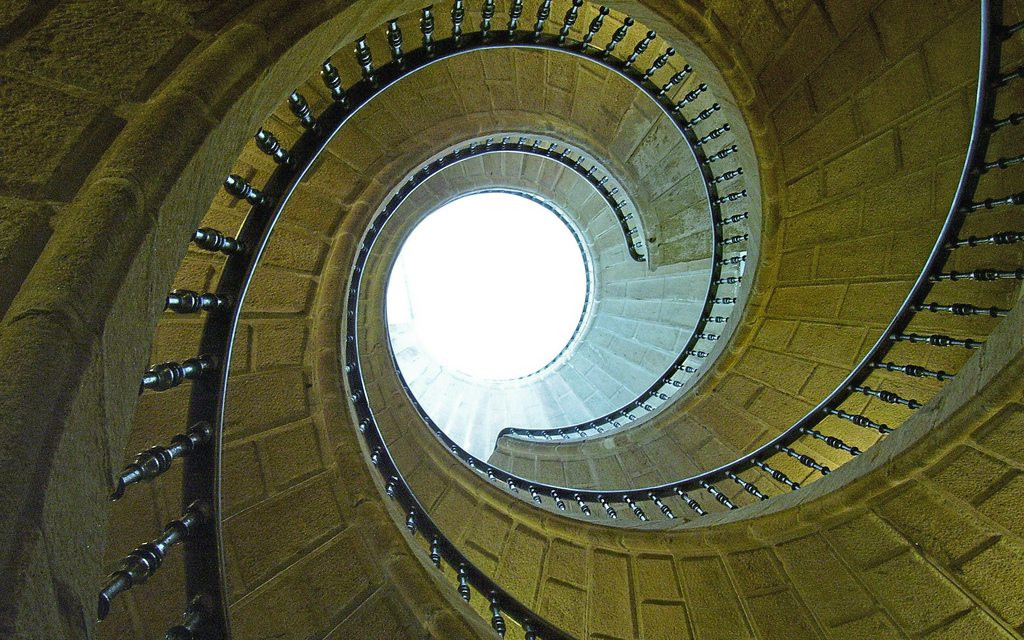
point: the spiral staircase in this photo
(795, 410)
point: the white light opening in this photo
(493, 285)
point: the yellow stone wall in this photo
(866, 108)
(122, 119)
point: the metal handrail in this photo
(200, 528)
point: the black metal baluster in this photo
(515, 11)
(777, 475)
(1004, 78)
(913, 370)
(241, 189)
(739, 217)
(427, 29)
(192, 618)
(859, 420)
(268, 144)
(332, 80)
(143, 562)
(658, 63)
(167, 375)
(639, 49)
(936, 340)
(534, 494)
(703, 115)
(497, 621)
(728, 175)
(395, 41)
(618, 36)
(607, 507)
(486, 15)
(637, 511)
(1011, 120)
(463, 574)
(734, 239)
(543, 13)
(959, 309)
(690, 502)
(435, 552)
(595, 26)
(831, 441)
(718, 495)
(1001, 163)
(980, 275)
(458, 16)
(887, 396)
(664, 508)
(154, 461)
(364, 57)
(708, 137)
(724, 153)
(676, 78)
(804, 459)
(213, 240)
(584, 507)
(558, 501)
(749, 487)
(529, 632)
(991, 203)
(300, 108)
(186, 301)
(571, 15)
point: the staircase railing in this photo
(199, 530)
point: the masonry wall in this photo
(96, 217)
(865, 109)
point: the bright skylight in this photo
(492, 284)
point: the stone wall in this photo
(157, 101)
(861, 112)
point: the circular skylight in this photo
(493, 285)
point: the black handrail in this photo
(974, 167)
(200, 529)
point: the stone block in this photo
(831, 343)
(903, 24)
(974, 624)
(290, 454)
(755, 571)
(655, 578)
(868, 162)
(277, 291)
(779, 616)
(521, 563)
(827, 137)
(262, 400)
(111, 48)
(663, 621)
(894, 93)
(775, 369)
(853, 63)
(808, 44)
(968, 473)
(715, 611)
(866, 540)
(993, 576)
(243, 480)
(279, 531)
(610, 575)
(564, 605)
(942, 526)
(822, 578)
(914, 593)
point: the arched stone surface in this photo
(73, 324)
(865, 132)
